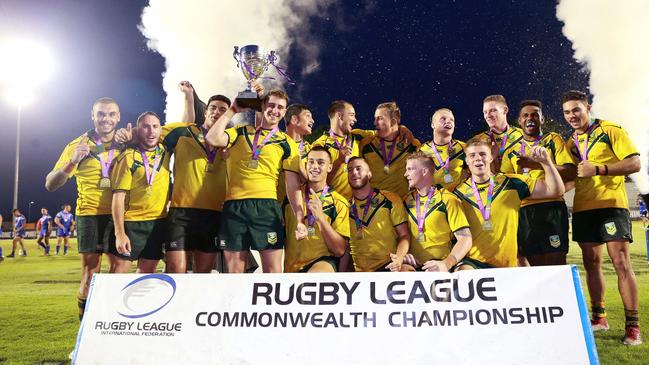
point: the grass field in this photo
(38, 314)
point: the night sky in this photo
(423, 55)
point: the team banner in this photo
(499, 316)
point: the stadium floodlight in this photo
(24, 65)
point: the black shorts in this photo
(146, 239)
(602, 225)
(92, 233)
(543, 228)
(473, 263)
(190, 229)
(331, 260)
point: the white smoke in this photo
(611, 39)
(197, 38)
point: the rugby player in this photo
(500, 134)
(604, 155)
(446, 152)
(44, 229)
(64, 221)
(18, 233)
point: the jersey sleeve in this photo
(621, 143)
(561, 153)
(455, 215)
(508, 164)
(169, 127)
(341, 223)
(66, 156)
(398, 213)
(292, 162)
(523, 184)
(121, 177)
(232, 136)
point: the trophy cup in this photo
(253, 62)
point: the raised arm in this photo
(551, 186)
(189, 115)
(57, 178)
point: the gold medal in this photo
(311, 230)
(104, 183)
(421, 237)
(253, 164)
(386, 169)
(448, 178)
(486, 226)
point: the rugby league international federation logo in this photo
(146, 295)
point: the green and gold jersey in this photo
(340, 182)
(143, 203)
(91, 199)
(501, 142)
(246, 180)
(456, 162)
(392, 180)
(556, 149)
(303, 148)
(442, 219)
(379, 236)
(608, 143)
(497, 246)
(299, 254)
(197, 183)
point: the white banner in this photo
(499, 316)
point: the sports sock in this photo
(598, 310)
(81, 303)
(631, 318)
(58, 248)
(65, 250)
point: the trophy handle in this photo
(236, 55)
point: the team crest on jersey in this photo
(611, 229)
(374, 202)
(272, 237)
(401, 145)
(555, 241)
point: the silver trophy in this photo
(253, 62)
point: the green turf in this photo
(38, 314)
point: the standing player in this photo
(18, 233)
(543, 224)
(141, 177)
(64, 220)
(89, 159)
(500, 135)
(299, 123)
(491, 203)
(327, 218)
(446, 152)
(378, 224)
(435, 218)
(252, 215)
(642, 207)
(605, 155)
(44, 229)
(386, 150)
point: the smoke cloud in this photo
(197, 38)
(610, 38)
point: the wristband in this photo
(596, 170)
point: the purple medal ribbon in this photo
(503, 142)
(583, 154)
(105, 163)
(537, 141)
(421, 216)
(211, 154)
(307, 194)
(387, 158)
(347, 143)
(444, 164)
(256, 147)
(359, 223)
(301, 147)
(484, 209)
(150, 174)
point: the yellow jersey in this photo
(443, 218)
(340, 182)
(303, 148)
(299, 254)
(376, 154)
(496, 246)
(556, 148)
(371, 249)
(501, 142)
(608, 143)
(258, 180)
(91, 199)
(197, 183)
(456, 157)
(143, 203)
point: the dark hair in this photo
(15, 210)
(278, 93)
(320, 149)
(336, 107)
(536, 103)
(105, 100)
(219, 97)
(393, 110)
(574, 95)
(294, 109)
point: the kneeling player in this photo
(435, 217)
(379, 225)
(327, 215)
(140, 174)
(491, 203)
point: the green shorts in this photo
(601, 225)
(93, 233)
(147, 238)
(543, 228)
(331, 260)
(190, 229)
(251, 224)
(473, 263)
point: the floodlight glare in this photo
(24, 62)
